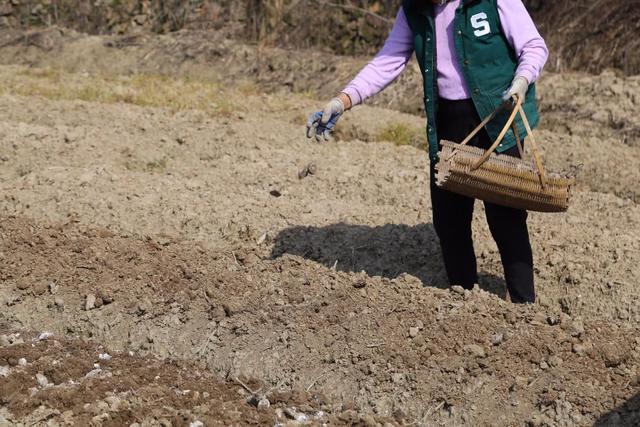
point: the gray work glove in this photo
(519, 87)
(321, 123)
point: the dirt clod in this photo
(474, 350)
(90, 302)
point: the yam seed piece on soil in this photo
(90, 302)
(309, 169)
(42, 380)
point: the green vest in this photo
(487, 60)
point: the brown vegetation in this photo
(589, 36)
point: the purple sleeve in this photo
(386, 65)
(524, 37)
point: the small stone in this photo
(474, 350)
(42, 380)
(398, 377)
(45, 336)
(413, 332)
(577, 328)
(93, 373)
(104, 356)
(497, 338)
(140, 19)
(4, 371)
(261, 239)
(53, 288)
(59, 302)
(4, 341)
(196, 423)
(457, 290)
(143, 307)
(263, 404)
(22, 362)
(544, 365)
(90, 302)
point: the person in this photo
(474, 56)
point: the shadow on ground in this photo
(387, 251)
(627, 415)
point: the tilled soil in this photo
(198, 248)
(79, 383)
(388, 346)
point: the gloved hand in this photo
(321, 123)
(519, 87)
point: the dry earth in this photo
(186, 244)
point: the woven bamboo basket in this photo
(501, 179)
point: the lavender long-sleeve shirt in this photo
(387, 65)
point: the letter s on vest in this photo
(480, 23)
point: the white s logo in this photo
(480, 23)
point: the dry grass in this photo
(174, 94)
(403, 134)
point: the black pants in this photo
(452, 215)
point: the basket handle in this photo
(510, 123)
(500, 137)
(534, 148)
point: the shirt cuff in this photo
(527, 73)
(353, 95)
